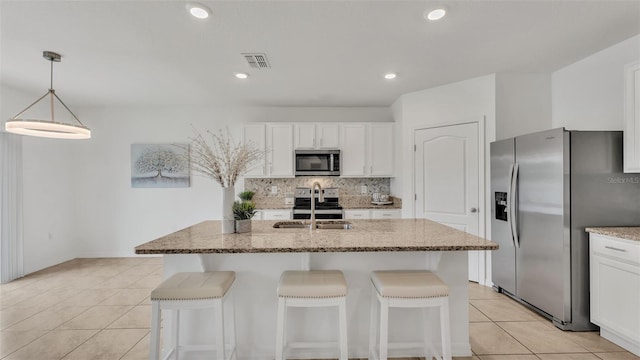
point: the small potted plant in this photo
(243, 212)
(246, 195)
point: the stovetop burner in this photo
(303, 199)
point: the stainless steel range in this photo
(328, 209)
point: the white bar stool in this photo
(192, 291)
(315, 288)
(407, 289)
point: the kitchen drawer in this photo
(276, 214)
(357, 214)
(386, 214)
(619, 249)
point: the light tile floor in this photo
(99, 309)
(502, 329)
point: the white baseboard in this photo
(633, 347)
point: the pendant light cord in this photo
(51, 72)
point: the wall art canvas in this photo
(159, 165)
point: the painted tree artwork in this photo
(159, 165)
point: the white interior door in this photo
(447, 180)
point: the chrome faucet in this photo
(313, 202)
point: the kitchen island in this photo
(259, 257)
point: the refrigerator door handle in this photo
(509, 218)
(513, 190)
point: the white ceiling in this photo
(322, 53)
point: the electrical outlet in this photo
(274, 190)
(288, 201)
(363, 189)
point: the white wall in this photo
(315, 114)
(523, 104)
(48, 192)
(589, 94)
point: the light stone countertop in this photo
(629, 233)
(366, 235)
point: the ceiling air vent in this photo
(257, 61)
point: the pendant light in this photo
(48, 128)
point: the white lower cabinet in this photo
(386, 214)
(615, 289)
(372, 214)
(357, 214)
(274, 215)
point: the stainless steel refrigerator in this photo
(546, 188)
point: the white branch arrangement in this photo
(223, 159)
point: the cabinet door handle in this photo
(615, 248)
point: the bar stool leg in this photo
(175, 329)
(444, 329)
(154, 353)
(280, 329)
(232, 325)
(342, 316)
(285, 331)
(428, 346)
(373, 324)
(219, 329)
(384, 328)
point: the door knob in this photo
(473, 210)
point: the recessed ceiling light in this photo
(435, 14)
(390, 76)
(241, 75)
(198, 10)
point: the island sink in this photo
(332, 224)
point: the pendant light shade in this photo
(48, 127)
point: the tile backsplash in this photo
(350, 188)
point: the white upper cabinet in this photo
(317, 136)
(632, 118)
(367, 150)
(279, 150)
(381, 150)
(353, 154)
(255, 134)
(277, 142)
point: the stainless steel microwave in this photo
(318, 162)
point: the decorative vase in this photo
(228, 223)
(243, 226)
